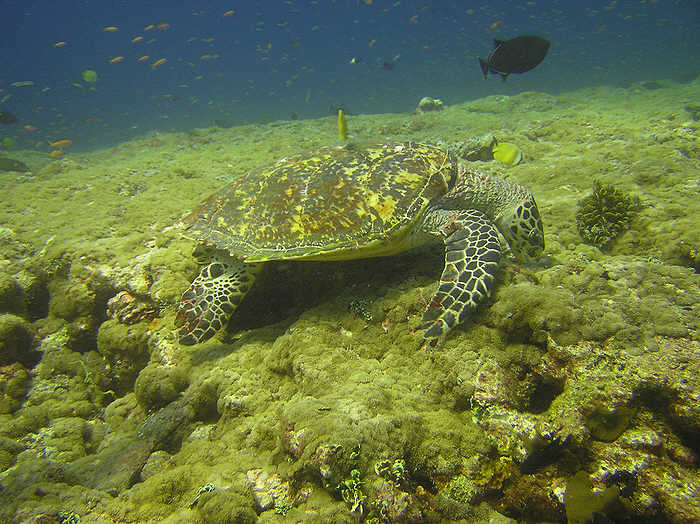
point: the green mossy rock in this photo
(65, 439)
(126, 350)
(222, 507)
(81, 300)
(530, 313)
(114, 468)
(155, 497)
(14, 389)
(8, 451)
(203, 396)
(11, 296)
(157, 462)
(59, 360)
(35, 291)
(71, 300)
(157, 386)
(582, 504)
(10, 164)
(606, 425)
(16, 341)
(6, 459)
(124, 414)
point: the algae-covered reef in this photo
(573, 394)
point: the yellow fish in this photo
(507, 153)
(342, 125)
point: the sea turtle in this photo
(348, 202)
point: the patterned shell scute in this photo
(332, 199)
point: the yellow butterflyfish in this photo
(342, 125)
(507, 153)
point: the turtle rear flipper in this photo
(472, 252)
(211, 299)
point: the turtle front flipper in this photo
(211, 299)
(472, 253)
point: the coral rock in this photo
(125, 308)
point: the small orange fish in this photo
(159, 62)
(144, 58)
(29, 128)
(136, 39)
(149, 27)
(116, 59)
(495, 25)
(56, 153)
(110, 29)
(60, 44)
(61, 143)
(229, 12)
(163, 26)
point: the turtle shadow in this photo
(286, 289)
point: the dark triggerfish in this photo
(516, 55)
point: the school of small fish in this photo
(139, 45)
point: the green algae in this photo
(606, 424)
(126, 349)
(9, 164)
(11, 296)
(16, 341)
(582, 504)
(13, 390)
(531, 313)
(124, 414)
(221, 507)
(157, 386)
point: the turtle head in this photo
(521, 225)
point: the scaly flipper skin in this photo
(211, 299)
(472, 253)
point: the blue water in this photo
(277, 58)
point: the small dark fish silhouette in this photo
(7, 118)
(387, 66)
(517, 55)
